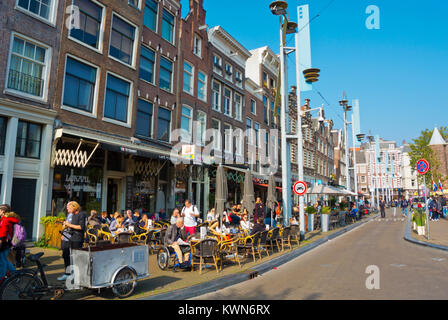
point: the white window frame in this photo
(238, 111)
(230, 101)
(217, 107)
(153, 83)
(92, 114)
(152, 117)
(190, 124)
(45, 75)
(51, 16)
(191, 92)
(238, 133)
(101, 35)
(216, 70)
(205, 82)
(130, 102)
(228, 138)
(135, 44)
(218, 141)
(157, 17)
(202, 137)
(174, 26)
(255, 106)
(172, 74)
(226, 75)
(197, 46)
(156, 135)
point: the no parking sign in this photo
(300, 188)
(422, 166)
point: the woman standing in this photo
(7, 222)
(72, 235)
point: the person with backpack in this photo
(404, 207)
(7, 222)
(190, 213)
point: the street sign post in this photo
(423, 168)
(300, 188)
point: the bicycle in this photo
(28, 284)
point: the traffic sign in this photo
(300, 188)
(422, 166)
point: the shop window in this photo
(115, 161)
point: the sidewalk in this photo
(438, 233)
(164, 281)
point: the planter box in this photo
(421, 231)
(311, 222)
(52, 232)
(325, 221)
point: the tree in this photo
(420, 149)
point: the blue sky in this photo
(399, 73)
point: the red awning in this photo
(265, 185)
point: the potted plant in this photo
(325, 218)
(311, 211)
(414, 223)
(420, 217)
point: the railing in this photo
(25, 83)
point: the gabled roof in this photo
(436, 138)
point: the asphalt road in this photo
(337, 269)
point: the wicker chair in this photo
(295, 234)
(273, 236)
(249, 244)
(207, 249)
(285, 238)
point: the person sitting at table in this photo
(245, 223)
(174, 216)
(142, 225)
(211, 215)
(222, 227)
(137, 216)
(129, 221)
(117, 226)
(259, 226)
(293, 221)
(176, 238)
(104, 219)
(93, 220)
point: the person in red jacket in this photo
(7, 222)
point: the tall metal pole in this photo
(372, 181)
(354, 161)
(285, 152)
(426, 208)
(376, 179)
(347, 163)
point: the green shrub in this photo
(420, 217)
(325, 210)
(43, 242)
(51, 220)
(310, 210)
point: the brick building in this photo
(28, 66)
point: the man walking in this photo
(383, 208)
(404, 207)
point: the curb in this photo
(408, 237)
(229, 280)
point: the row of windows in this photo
(29, 136)
(230, 101)
(227, 71)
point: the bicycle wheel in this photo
(127, 282)
(20, 286)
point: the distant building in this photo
(439, 146)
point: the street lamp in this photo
(280, 8)
(344, 104)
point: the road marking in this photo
(439, 259)
(398, 265)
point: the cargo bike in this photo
(115, 266)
